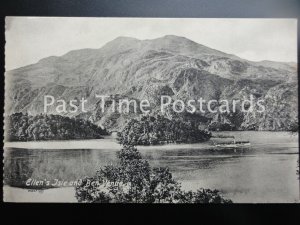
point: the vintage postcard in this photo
(151, 110)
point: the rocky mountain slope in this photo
(146, 69)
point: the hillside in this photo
(145, 69)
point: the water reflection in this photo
(263, 172)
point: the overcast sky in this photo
(30, 39)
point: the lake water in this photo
(265, 171)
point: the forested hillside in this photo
(150, 130)
(24, 127)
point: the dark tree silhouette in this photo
(132, 180)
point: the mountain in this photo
(142, 69)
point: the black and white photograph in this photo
(151, 110)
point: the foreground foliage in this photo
(150, 130)
(134, 181)
(24, 127)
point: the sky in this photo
(29, 39)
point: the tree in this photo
(149, 130)
(23, 127)
(132, 180)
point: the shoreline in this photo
(110, 143)
(274, 153)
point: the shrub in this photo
(132, 180)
